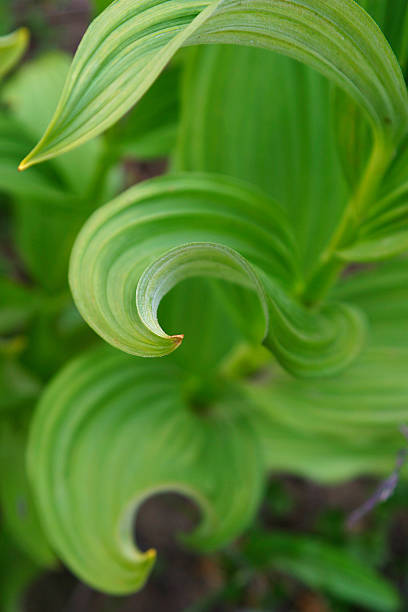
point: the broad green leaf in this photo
(129, 44)
(112, 430)
(329, 458)
(150, 128)
(382, 293)
(32, 95)
(278, 138)
(351, 126)
(134, 250)
(44, 235)
(368, 398)
(379, 246)
(337, 428)
(19, 514)
(325, 567)
(42, 183)
(341, 427)
(12, 47)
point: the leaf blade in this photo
(106, 397)
(134, 250)
(121, 55)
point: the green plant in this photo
(286, 361)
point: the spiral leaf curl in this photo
(87, 496)
(135, 249)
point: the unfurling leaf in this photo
(130, 43)
(112, 430)
(136, 249)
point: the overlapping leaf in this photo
(135, 249)
(384, 232)
(129, 44)
(358, 412)
(350, 124)
(31, 96)
(278, 138)
(150, 130)
(51, 201)
(112, 430)
(382, 293)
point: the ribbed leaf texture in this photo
(129, 44)
(164, 231)
(112, 430)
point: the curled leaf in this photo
(129, 44)
(137, 248)
(112, 430)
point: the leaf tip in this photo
(177, 339)
(151, 554)
(24, 35)
(23, 166)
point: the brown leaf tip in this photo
(177, 339)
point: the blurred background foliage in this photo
(317, 565)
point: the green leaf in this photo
(368, 398)
(44, 234)
(379, 246)
(392, 18)
(150, 129)
(351, 126)
(17, 385)
(335, 428)
(32, 95)
(42, 183)
(16, 573)
(136, 409)
(12, 47)
(101, 5)
(17, 305)
(278, 138)
(382, 293)
(18, 511)
(129, 44)
(324, 567)
(169, 229)
(338, 428)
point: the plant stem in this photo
(330, 265)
